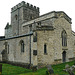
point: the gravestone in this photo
(34, 68)
(73, 67)
(67, 66)
(0, 69)
(69, 70)
(50, 70)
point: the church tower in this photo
(22, 13)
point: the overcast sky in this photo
(68, 6)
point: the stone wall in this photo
(61, 24)
(15, 53)
(45, 37)
(49, 28)
(2, 47)
(53, 40)
(73, 36)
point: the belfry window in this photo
(64, 38)
(22, 45)
(31, 17)
(16, 17)
(45, 49)
(39, 23)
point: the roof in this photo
(2, 37)
(53, 14)
(73, 33)
(31, 33)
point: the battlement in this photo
(24, 4)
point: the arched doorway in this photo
(4, 56)
(5, 52)
(64, 56)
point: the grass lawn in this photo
(14, 70)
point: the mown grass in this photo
(14, 70)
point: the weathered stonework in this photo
(37, 40)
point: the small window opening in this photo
(16, 17)
(8, 49)
(45, 49)
(39, 23)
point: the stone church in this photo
(37, 40)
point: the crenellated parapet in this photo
(24, 4)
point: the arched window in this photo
(5, 44)
(22, 45)
(64, 38)
(6, 47)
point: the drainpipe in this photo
(18, 22)
(30, 49)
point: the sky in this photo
(68, 6)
